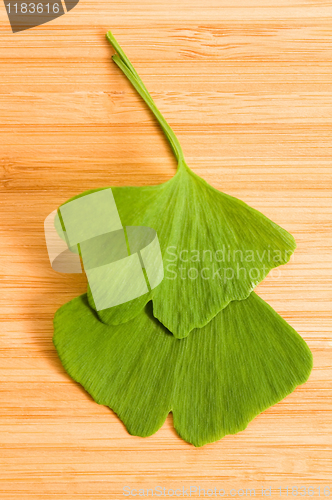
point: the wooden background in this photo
(246, 85)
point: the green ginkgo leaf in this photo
(215, 248)
(215, 381)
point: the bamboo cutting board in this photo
(246, 85)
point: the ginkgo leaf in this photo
(215, 381)
(215, 248)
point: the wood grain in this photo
(246, 85)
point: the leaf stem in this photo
(127, 68)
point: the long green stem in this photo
(151, 105)
(127, 68)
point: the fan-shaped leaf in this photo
(215, 248)
(214, 381)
